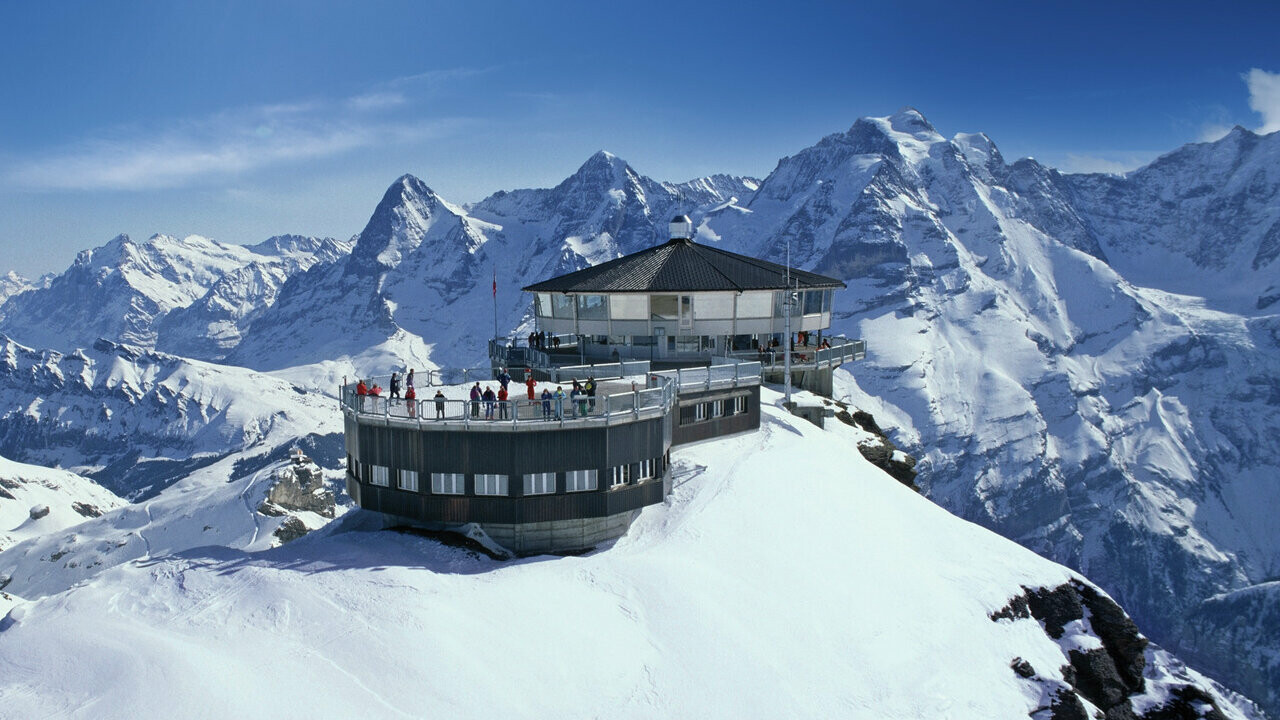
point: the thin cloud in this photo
(228, 143)
(376, 101)
(1213, 132)
(1264, 97)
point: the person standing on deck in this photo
(475, 400)
(590, 387)
(531, 384)
(546, 403)
(408, 381)
(504, 378)
(439, 398)
(489, 398)
(559, 398)
(411, 400)
(502, 403)
(395, 387)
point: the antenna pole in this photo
(786, 346)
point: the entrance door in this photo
(686, 312)
(659, 342)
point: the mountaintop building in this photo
(683, 335)
(681, 301)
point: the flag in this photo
(495, 282)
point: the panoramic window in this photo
(718, 306)
(448, 483)
(491, 484)
(539, 483)
(409, 480)
(629, 307)
(542, 302)
(592, 307)
(813, 302)
(581, 480)
(664, 307)
(755, 305)
(562, 306)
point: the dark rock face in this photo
(290, 530)
(1106, 677)
(87, 510)
(881, 454)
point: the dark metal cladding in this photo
(683, 265)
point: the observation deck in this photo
(539, 475)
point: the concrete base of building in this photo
(536, 538)
(815, 380)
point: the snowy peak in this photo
(398, 225)
(909, 121)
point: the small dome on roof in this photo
(681, 228)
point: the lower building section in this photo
(707, 414)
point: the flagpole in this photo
(495, 301)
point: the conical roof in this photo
(682, 266)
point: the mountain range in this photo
(1088, 365)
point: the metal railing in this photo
(522, 414)
(601, 370)
(730, 374)
(841, 350)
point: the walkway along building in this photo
(546, 476)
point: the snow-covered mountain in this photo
(1089, 365)
(11, 283)
(122, 290)
(869, 604)
(424, 268)
(136, 420)
(1123, 430)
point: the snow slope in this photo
(831, 591)
(136, 420)
(66, 498)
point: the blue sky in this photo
(240, 120)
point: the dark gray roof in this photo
(682, 265)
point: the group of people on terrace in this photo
(496, 405)
(540, 341)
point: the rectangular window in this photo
(755, 305)
(409, 480)
(592, 307)
(646, 470)
(581, 480)
(813, 302)
(664, 307)
(491, 484)
(717, 408)
(543, 304)
(379, 475)
(620, 475)
(562, 306)
(826, 300)
(448, 483)
(539, 483)
(713, 306)
(740, 405)
(629, 307)
(700, 411)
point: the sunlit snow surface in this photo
(785, 577)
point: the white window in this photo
(629, 307)
(717, 408)
(580, 480)
(489, 484)
(379, 475)
(448, 483)
(713, 305)
(539, 483)
(700, 411)
(755, 304)
(740, 405)
(646, 470)
(620, 475)
(409, 480)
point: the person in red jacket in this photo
(502, 403)
(530, 383)
(376, 391)
(362, 389)
(411, 401)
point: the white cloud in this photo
(376, 101)
(225, 144)
(1264, 97)
(1213, 132)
